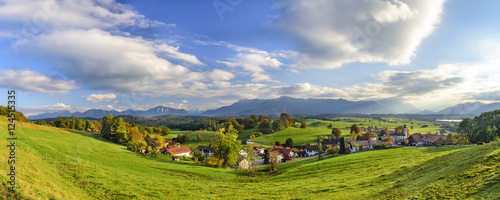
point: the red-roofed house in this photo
(179, 151)
(283, 153)
(170, 144)
(427, 139)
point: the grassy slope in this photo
(469, 172)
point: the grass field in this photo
(402, 173)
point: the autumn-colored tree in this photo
(303, 125)
(368, 135)
(336, 132)
(160, 142)
(289, 118)
(355, 129)
(198, 137)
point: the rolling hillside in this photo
(430, 173)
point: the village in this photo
(283, 153)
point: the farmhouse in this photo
(366, 144)
(207, 151)
(179, 151)
(283, 153)
(418, 139)
(311, 150)
(170, 144)
(259, 150)
(243, 163)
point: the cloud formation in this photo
(94, 98)
(28, 80)
(334, 33)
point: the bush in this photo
(384, 146)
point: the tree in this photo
(58, 122)
(227, 146)
(355, 129)
(289, 142)
(450, 138)
(303, 125)
(197, 154)
(89, 126)
(289, 119)
(443, 131)
(265, 126)
(135, 135)
(198, 137)
(165, 131)
(274, 161)
(320, 151)
(160, 142)
(342, 145)
(277, 143)
(399, 129)
(383, 132)
(278, 125)
(266, 156)
(336, 132)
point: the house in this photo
(311, 150)
(243, 152)
(207, 151)
(259, 150)
(331, 142)
(170, 144)
(427, 139)
(283, 153)
(175, 158)
(179, 151)
(243, 163)
(366, 144)
(243, 142)
(399, 137)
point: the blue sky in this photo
(67, 55)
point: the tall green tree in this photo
(278, 125)
(342, 145)
(227, 146)
(289, 142)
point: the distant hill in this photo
(470, 109)
(309, 106)
(99, 113)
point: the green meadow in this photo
(470, 172)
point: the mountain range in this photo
(288, 105)
(98, 113)
(310, 106)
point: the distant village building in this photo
(418, 139)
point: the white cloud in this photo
(28, 80)
(333, 33)
(253, 61)
(100, 60)
(94, 98)
(43, 15)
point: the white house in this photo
(311, 150)
(207, 151)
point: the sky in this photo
(198, 55)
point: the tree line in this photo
(482, 128)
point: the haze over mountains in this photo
(98, 113)
(289, 105)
